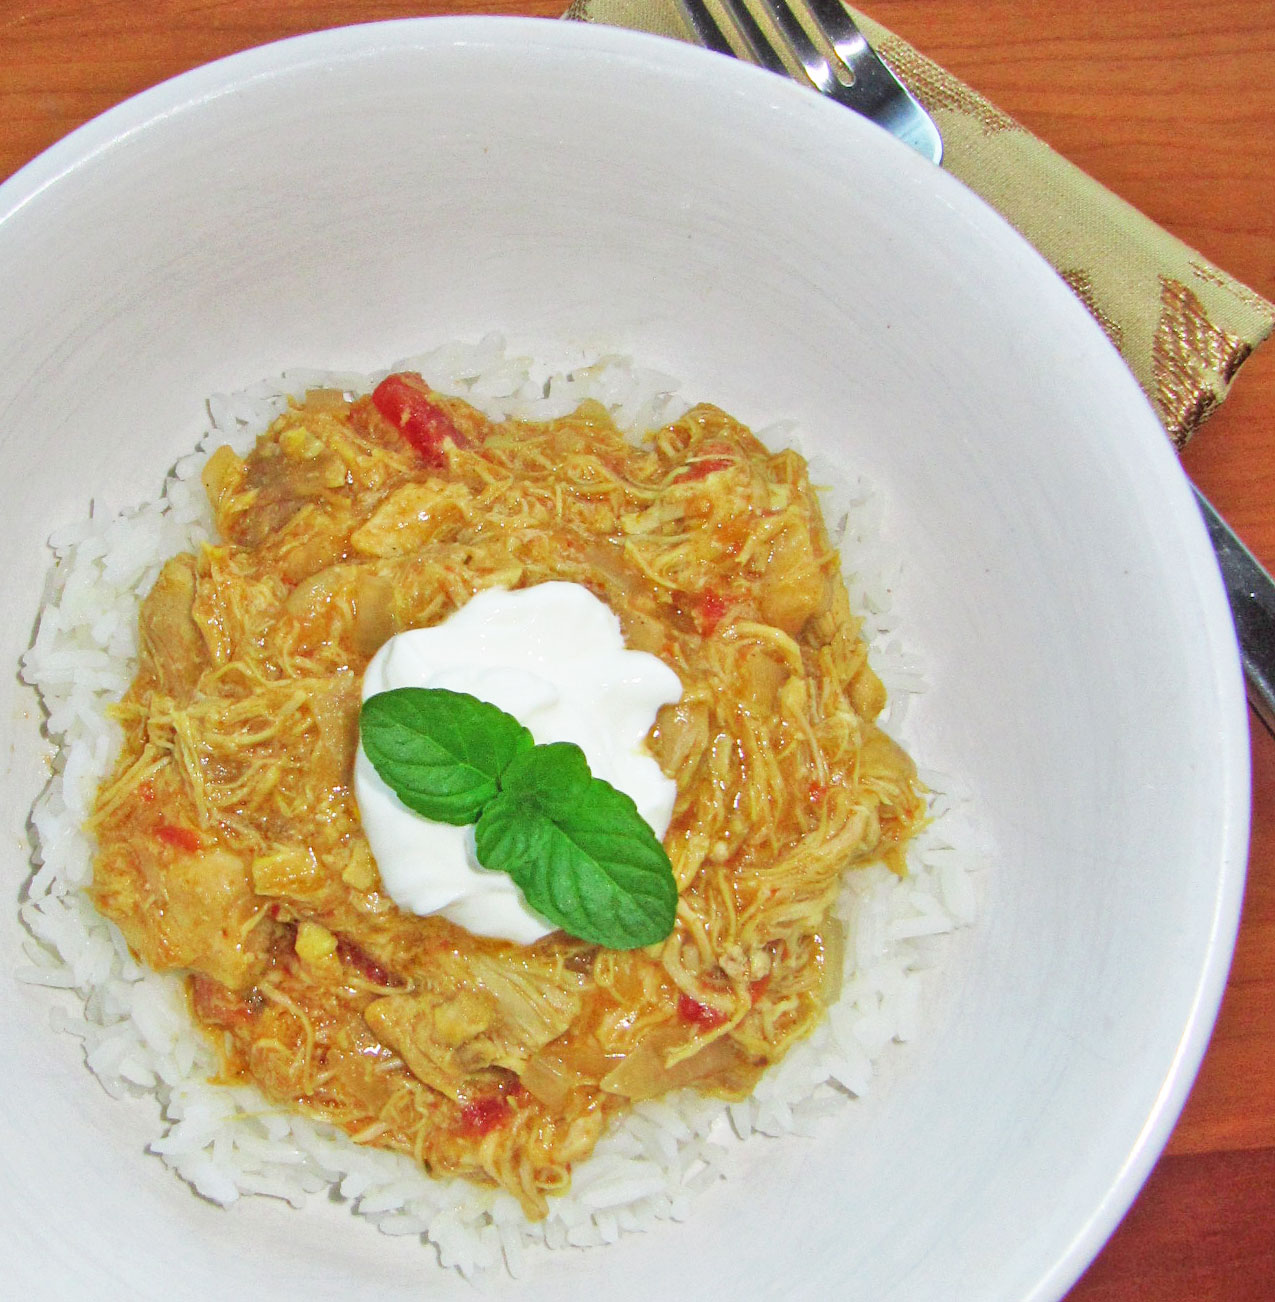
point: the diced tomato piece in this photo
(691, 1010)
(759, 987)
(482, 1116)
(702, 469)
(180, 838)
(816, 792)
(407, 402)
(709, 610)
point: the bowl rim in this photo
(210, 81)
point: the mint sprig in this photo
(578, 849)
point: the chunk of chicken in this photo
(199, 914)
(478, 1012)
(412, 517)
(792, 585)
(171, 644)
(290, 468)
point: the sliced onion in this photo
(643, 1075)
(373, 612)
(549, 1079)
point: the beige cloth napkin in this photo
(1183, 325)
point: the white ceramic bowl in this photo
(346, 198)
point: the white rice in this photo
(224, 1141)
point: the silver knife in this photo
(1251, 592)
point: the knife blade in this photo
(1251, 592)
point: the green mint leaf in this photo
(440, 752)
(582, 855)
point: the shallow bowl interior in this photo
(348, 198)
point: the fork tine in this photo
(856, 77)
(758, 46)
(705, 27)
(817, 69)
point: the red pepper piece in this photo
(702, 469)
(691, 1010)
(363, 963)
(407, 402)
(481, 1116)
(180, 838)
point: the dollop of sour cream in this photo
(554, 657)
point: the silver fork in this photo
(848, 70)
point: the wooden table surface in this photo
(1172, 106)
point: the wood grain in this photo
(1171, 105)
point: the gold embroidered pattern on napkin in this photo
(1206, 271)
(936, 88)
(1188, 348)
(1081, 284)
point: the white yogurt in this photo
(552, 656)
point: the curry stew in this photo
(229, 845)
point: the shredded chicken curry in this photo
(229, 844)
